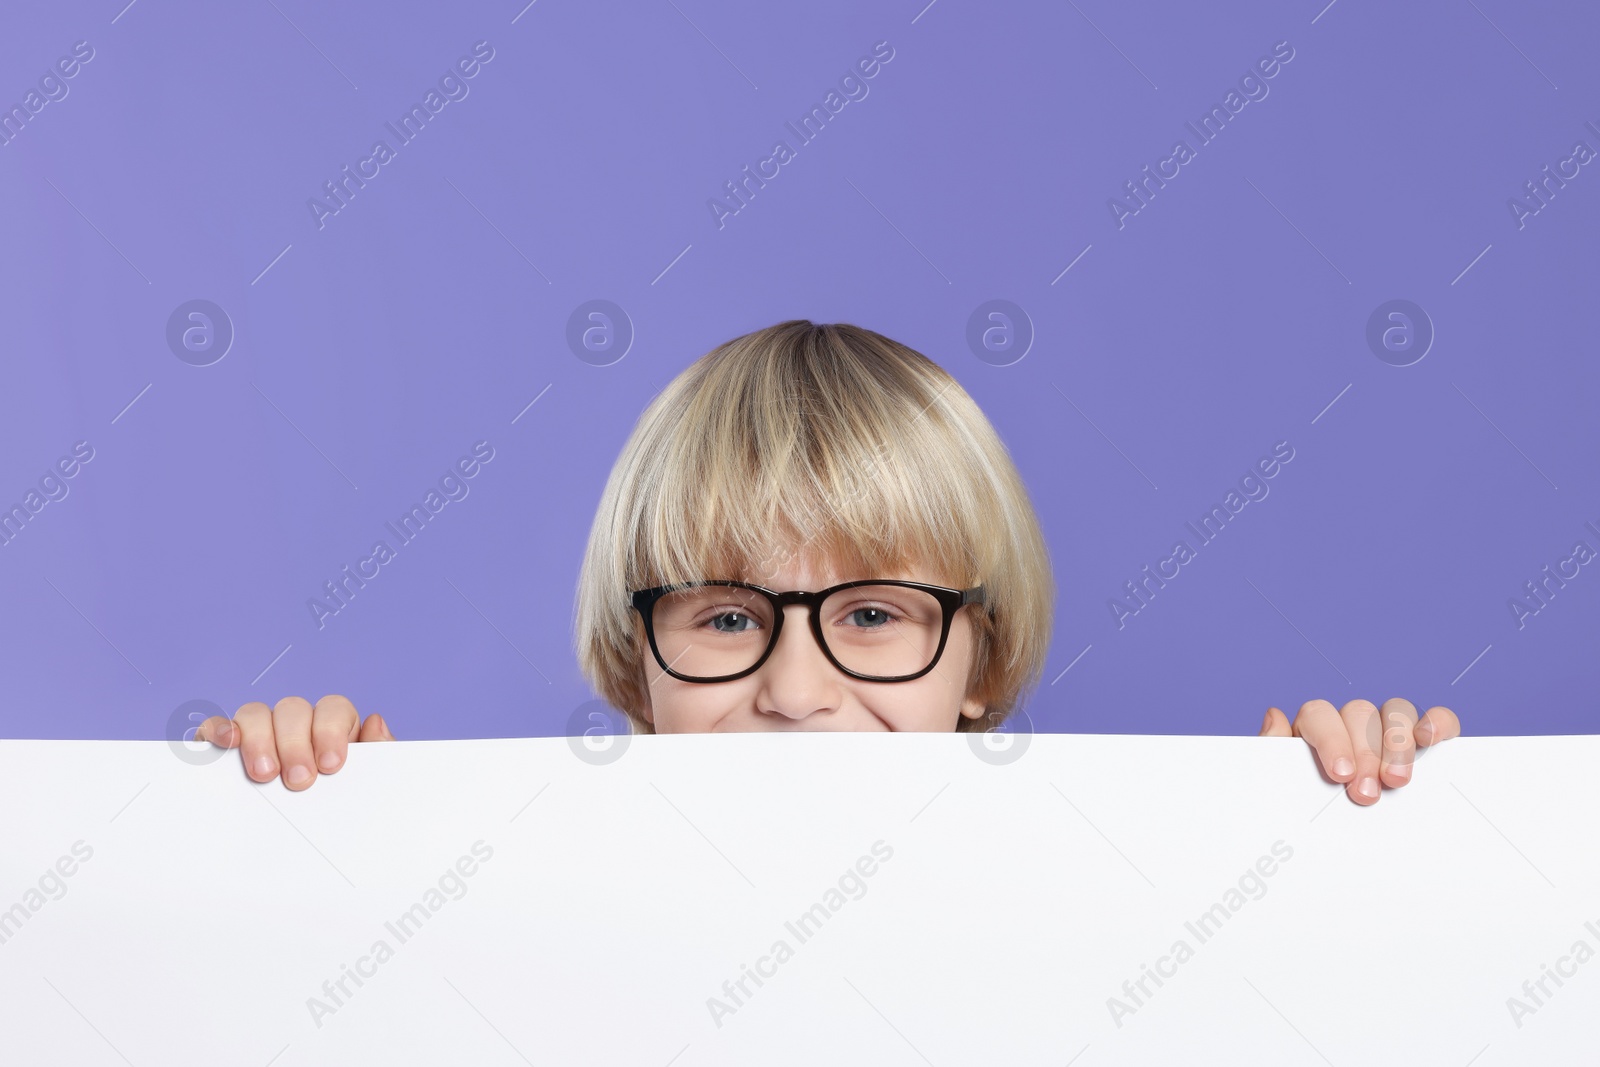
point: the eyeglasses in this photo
(878, 630)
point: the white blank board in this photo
(962, 910)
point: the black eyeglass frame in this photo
(951, 600)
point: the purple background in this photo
(1229, 314)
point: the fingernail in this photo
(1400, 770)
(263, 767)
(1343, 766)
(328, 761)
(1424, 732)
(1266, 720)
(299, 773)
(221, 734)
(1368, 787)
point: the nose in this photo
(797, 680)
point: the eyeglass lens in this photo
(709, 631)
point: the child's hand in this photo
(1347, 741)
(293, 738)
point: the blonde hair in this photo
(831, 436)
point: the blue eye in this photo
(882, 617)
(730, 615)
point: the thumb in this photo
(1275, 724)
(376, 728)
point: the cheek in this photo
(928, 705)
(676, 707)
(932, 702)
(683, 707)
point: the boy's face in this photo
(797, 688)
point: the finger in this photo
(1276, 724)
(219, 730)
(334, 724)
(1319, 724)
(375, 729)
(1399, 744)
(253, 724)
(291, 722)
(1439, 724)
(1361, 724)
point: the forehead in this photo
(787, 567)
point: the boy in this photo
(831, 478)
